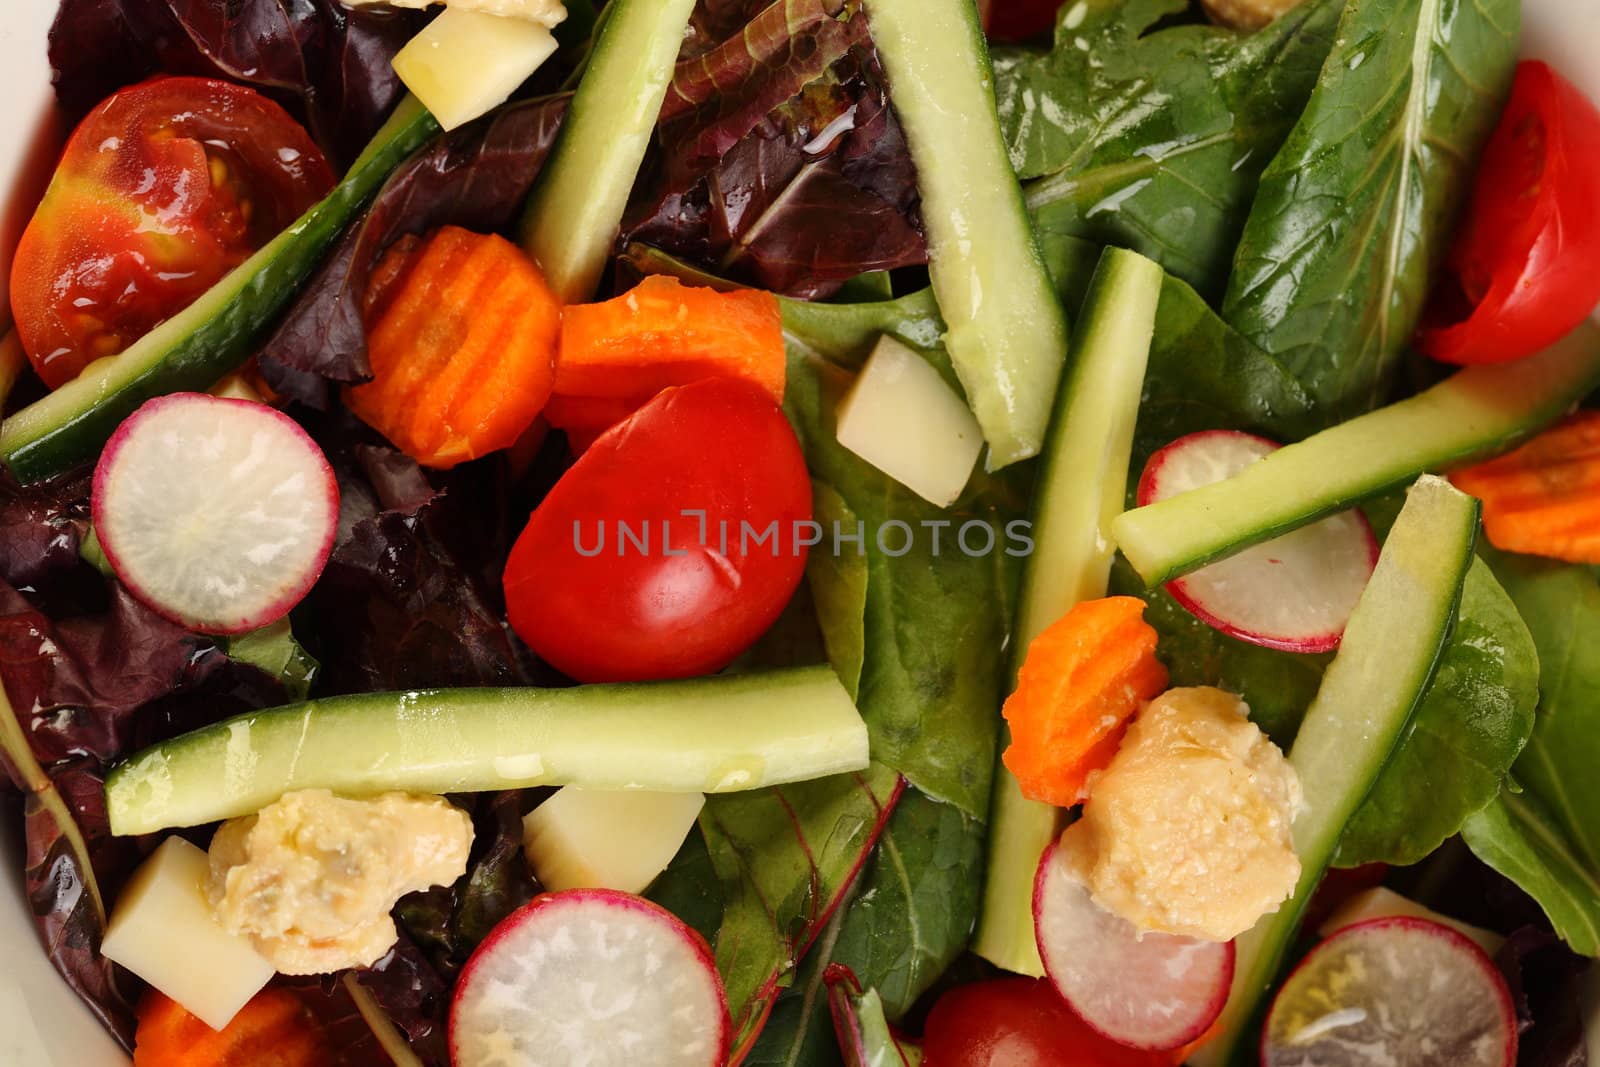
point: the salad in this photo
(823, 532)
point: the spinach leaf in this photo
(1353, 214)
(1155, 140)
(905, 922)
(1543, 832)
(784, 858)
(1472, 723)
(936, 617)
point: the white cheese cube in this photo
(163, 931)
(903, 419)
(466, 63)
(607, 839)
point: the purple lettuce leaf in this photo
(415, 997)
(476, 177)
(327, 64)
(781, 163)
(1546, 980)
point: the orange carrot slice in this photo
(618, 354)
(462, 345)
(1083, 679)
(1543, 499)
(273, 1030)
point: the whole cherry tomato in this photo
(162, 189)
(1522, 271)
(1020, 1022)
(671, 545)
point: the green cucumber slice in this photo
(200, 345)
(1390, 651)
(576, 209)
(1007, 333)
(1082, 486)
(1476, 411)
(710, 735)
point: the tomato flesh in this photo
(1021, 1022)
(612, 579)
(162, 189)
(1521, 273)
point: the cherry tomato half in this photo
(1522, 271)
(671, 545)
(162, 189)
(1021, 1022)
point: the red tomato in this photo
(1522, 271)
(1020, 1022)
(1019, 20)
(162, 189)
(590, 585)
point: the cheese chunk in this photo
(312, 878)
(903, 418)
(163, 930)
(466, 63)
(547, 13)
(1187, 831)
(607, 839)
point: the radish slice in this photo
(1293, 593)
(1397, 990)
(590, 977)
(217, 513)
(1154, 992)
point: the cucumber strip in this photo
(1477, 411)
(1082, 486)
(1390, 651)
(1007, 332)
(711, 735)
(576, 209)
(200, 345)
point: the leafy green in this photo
(274, 650)
(838, 584)
(1473, 721)
(1353, 214)
(784, 857)
(905, 923)
(864, 1034)
(935, 617)
(1155, 140)
(1544, 832)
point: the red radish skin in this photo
(1211, 593)
(1413, 1020)
(670, 960)
(1154, 992)
(120, 517)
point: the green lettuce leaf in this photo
(1155, 140)
(1354, 213)
(1473, 722)
(1543, 832)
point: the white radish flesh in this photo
(1404, 991)
(590, 978)
(1155, 991)
(1295, 592)
(217, 513)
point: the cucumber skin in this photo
(575, 213)
(1095, 414)
(720, 734)
(1006, 328)
(1475, 412)
(199, 346)
(1263, 949)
